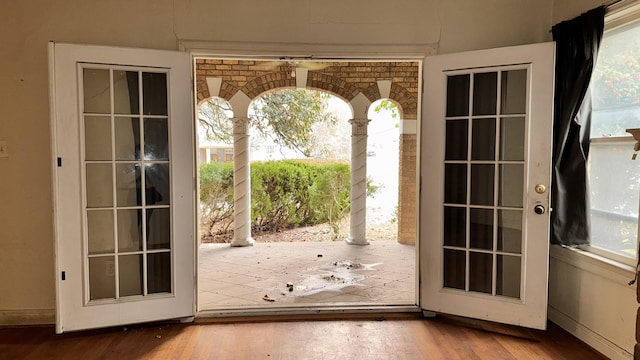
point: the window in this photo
(614, 178)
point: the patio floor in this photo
(288, 274)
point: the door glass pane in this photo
(97, 135)
(129, 230)
(154, 93)
(482, 183)
(514, 92)
(99, 182)
(510, 185)
(156, 139)
(485, 91)
(97, 91)
(455, 183)
(158, 228)
(126, 94)
(508, 276)
(130, 275)
(510, 231)
(454, 269)
(159, 272)
(512, 139)
(455, 226)
(102, 283)
(100, 231)
(483, 145)
(480, 272)
(458, 95)
(127, 138)
(456, 140)
(481, 229)
(128, 184)
(157, 184)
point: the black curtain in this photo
(577, 43)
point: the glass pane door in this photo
(127, 182)
(484, 174)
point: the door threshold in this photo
(379, 312)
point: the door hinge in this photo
(59, 162)
(64, 276)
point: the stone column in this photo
(358, 225)
(241, 183)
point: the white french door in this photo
(485, 175)
(122, 141)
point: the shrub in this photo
(284, 194)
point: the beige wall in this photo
(26, 240)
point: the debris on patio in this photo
(268, 298)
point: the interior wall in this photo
(26, 27)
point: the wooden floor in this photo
(437, 338)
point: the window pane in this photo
(455, 183)
(158, 228)
(159, 273)
(456, 140)
(154, 93)
(126, 95)
(156, 139)
(482, 184)
(481, 229)
(127, 138)
(455, 226)
(483, 144)
(128, 184)
(100, 231)
(97, 91)
(480, 272)
(130, 275)
(485, 93)
(508, 276)
(129, 230)
(454, 269)
(514, 92)
(102, 278)
(614, 199)
(512, 139)
(97, 138)
(99, 185)
(458, 95)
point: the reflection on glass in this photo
(480, 272)
(508, 276)
(100, 231)
(454, 269)
(130, 275)
(485, 93)
(154, 93)
(455, 183)
(129, 230)
(128, 185)
(96, 90)
(455, 226)
(510, 231)
(510, 187)
(99, 185)
(482, 176)
(159, 273)
(97, 138)
(127, 138)
(514, 92)
(458, 95)
(512, 139)
(157, 184)
(102, 283)
(456, 140)
(126, 96)
(156, 139)
(158, 228)
(483, 143)
(481, 229)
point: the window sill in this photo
(598, 265)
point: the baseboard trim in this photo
(599, 343)
(27, 317)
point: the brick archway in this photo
(397, 81)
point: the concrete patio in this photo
(289, 274)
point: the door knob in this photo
(539, 209)
(540, 189)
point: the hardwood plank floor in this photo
(437, 338)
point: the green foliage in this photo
(284, 194)
(216, 197)
(287, 115)
(387, 105)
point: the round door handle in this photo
(539, 209)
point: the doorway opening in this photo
(343, 264)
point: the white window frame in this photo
(617, 16)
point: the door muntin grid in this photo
(484, 176)
(126, 182)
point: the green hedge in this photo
(284, 194)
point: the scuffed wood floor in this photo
(438, 338)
